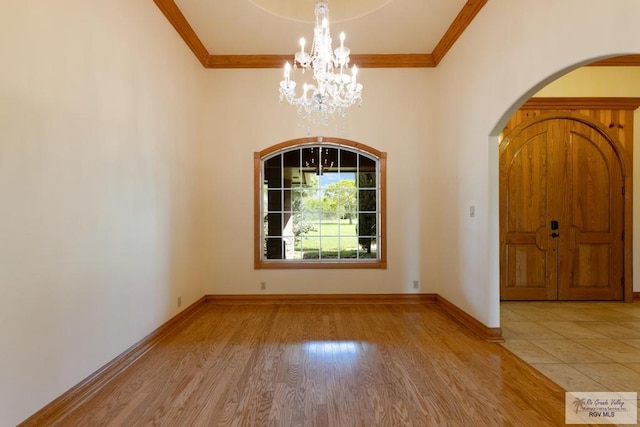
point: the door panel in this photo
(526, 264)
(594, 203)
(566, 172)
(525, 248)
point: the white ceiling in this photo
(274, 27)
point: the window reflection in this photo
(330, 350)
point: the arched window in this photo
(320, 203)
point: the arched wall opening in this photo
(547, 87)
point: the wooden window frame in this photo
(379, 263)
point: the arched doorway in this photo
(562, 206)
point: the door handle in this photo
(554, 225)
(554, 235)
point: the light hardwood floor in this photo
(323, 364)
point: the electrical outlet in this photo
(263, 286)
(179, 301)
(416, 284)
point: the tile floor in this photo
(581, 346)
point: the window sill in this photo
(325, 265)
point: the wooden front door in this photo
(561, 213)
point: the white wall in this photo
(125, 168)
(248, 117)
(99, 216)
(510, 51)
(614, 82)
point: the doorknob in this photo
(554, 235)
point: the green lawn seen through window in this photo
(324, 239)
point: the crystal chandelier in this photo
(334, 90)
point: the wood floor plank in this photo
(282, 364)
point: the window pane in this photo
(273, 226)
(288, 244)
(348, 247)
(287, 224)
(297, 200)
(265, 198)
(349, 225)
(330, 223)
(348, 181)
(303, 225)
(329, 248)
(286, 199)
(310, 248)
(273, 172)
(296, 253)
(348, 160)
(310, 159)
(273, 248)
(293, 178)
(274, 200)
(366, 233)
(367, 200)
(329, 159)
(371, 253)
(367, 172)
(346, 200)
(291, 159)
(367, 180)
(310, 180)
(312, 208)
(315, 223)
(337, 198)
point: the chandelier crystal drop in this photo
(334, 90)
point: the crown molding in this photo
(247, 61)
(411, 60)
(457, 27)
(176, 18)
(618, 61)
(586, 103)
